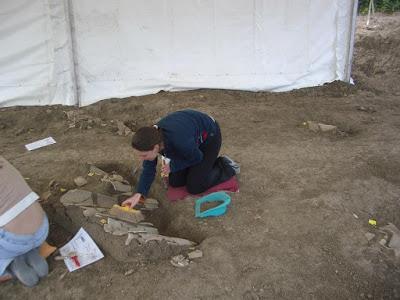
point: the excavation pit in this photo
(164, 218)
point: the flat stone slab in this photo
(87, 198)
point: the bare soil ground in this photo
(297, 228)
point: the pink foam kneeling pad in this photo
(179, 193)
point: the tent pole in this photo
(71, 27)
(371, 9)
(351, 41)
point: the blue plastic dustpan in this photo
(215, 211)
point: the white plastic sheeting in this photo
(35, 55)
(83, 51)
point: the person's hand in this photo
(165, 170)
(132, 201)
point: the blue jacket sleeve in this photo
(188, 152)
(147, 176)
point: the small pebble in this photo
(80, 181)
(195, 254)
(129, 272)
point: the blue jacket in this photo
(183, 132)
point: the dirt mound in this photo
(377, 54)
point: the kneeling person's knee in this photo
(194, 187)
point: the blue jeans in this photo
(13, 245)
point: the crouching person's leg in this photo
(20, 253)
(29, 267)
(200, 181)
(23, 272)
(178, 179)
(212, 170)
(37, 262)
(206, 173)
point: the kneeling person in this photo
(23, 228)
(190, 141)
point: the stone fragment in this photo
(368, 109)
(195, 254)
(96, 171)
(326, 127)
(129, 238)
(117, 227)
(144, 238)
(77, 197)
(80, 181)
(90, 212)
(179, 261)
(123, 129)
(129, 272)
(383, 242)
(121, 187)
(369, 236)
(86, 198)
(394, 242)
(116, 177)
(319, 127)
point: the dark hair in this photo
(146, 138)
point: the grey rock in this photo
(80, 181)
(95, 170)
(394, 242)
(179, 261)
(326, 127)
(121, 187)
(86, 198)
(195, 254)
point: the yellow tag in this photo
(90, 174)
(125, 208)
(103, 221)
(372, 222)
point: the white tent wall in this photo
(127, 48)
(131, 48)
(35, 59)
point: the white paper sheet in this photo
(84, 248)
(40, 143)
